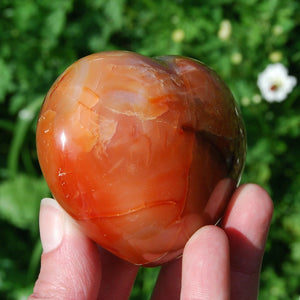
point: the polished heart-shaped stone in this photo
(141, 151)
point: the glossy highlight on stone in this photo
(141, 151)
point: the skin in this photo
(218, 262)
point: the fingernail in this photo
(52, 224)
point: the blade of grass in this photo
(25, 119)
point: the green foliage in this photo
(39, 39)
(144, 283)
(19, 200)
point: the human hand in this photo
(218, 262)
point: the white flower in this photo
(275, 56)
(256, 98)
(236, 58)
(178, 35)
(275, 83)
(245, 101)
(225, 30)
(26, 114)
(277, 30)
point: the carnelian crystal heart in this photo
(141, 152)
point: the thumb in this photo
(70, 263)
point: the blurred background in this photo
(254, 45)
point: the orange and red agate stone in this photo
(141, 152)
